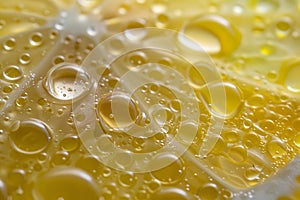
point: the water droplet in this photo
(237, 154)
(123, 9)
(7, 89)
(67, 81)
(9, 44)
(238, 9)
(208, 191)
(171, 193)
(283, 27)
(66, 183)
(91, 31)
(266, 124)
(267, 49)
(70, 143)
(31, 137)
(136, 59)
(115, 46)
(136, 30)
(172, 173)
(276, 149)
(159, 6)
(215, 34)
(289, 75)
(264, 6)
(231, 136)
(58, 59)
(123, 159)
(25, 58)
(12, 73)
(60, 158)
(256, 101)
(21, 101)
(223, 99)
(3, 193)
(296, 124)
(2, 23)
(252, 174)
(36, 39)
(162, 20)
(16, 177)
(91, 165)
(127, 179)
(117, 111)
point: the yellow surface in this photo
(220, 78)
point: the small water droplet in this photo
(36, 39)
(9, 44)
(25, 58)
(12, 73)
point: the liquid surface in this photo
(94, 104)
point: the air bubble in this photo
(67, 81)
(31, 137)
(12, 73)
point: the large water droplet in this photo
(117, 110)
(209, 191)
(223, 99)
(171, 173)
(67, 81)
(215, 34)
(171, 193)
(30, 136)
(289, 75)
(65, 183)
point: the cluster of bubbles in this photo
(205, 111)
